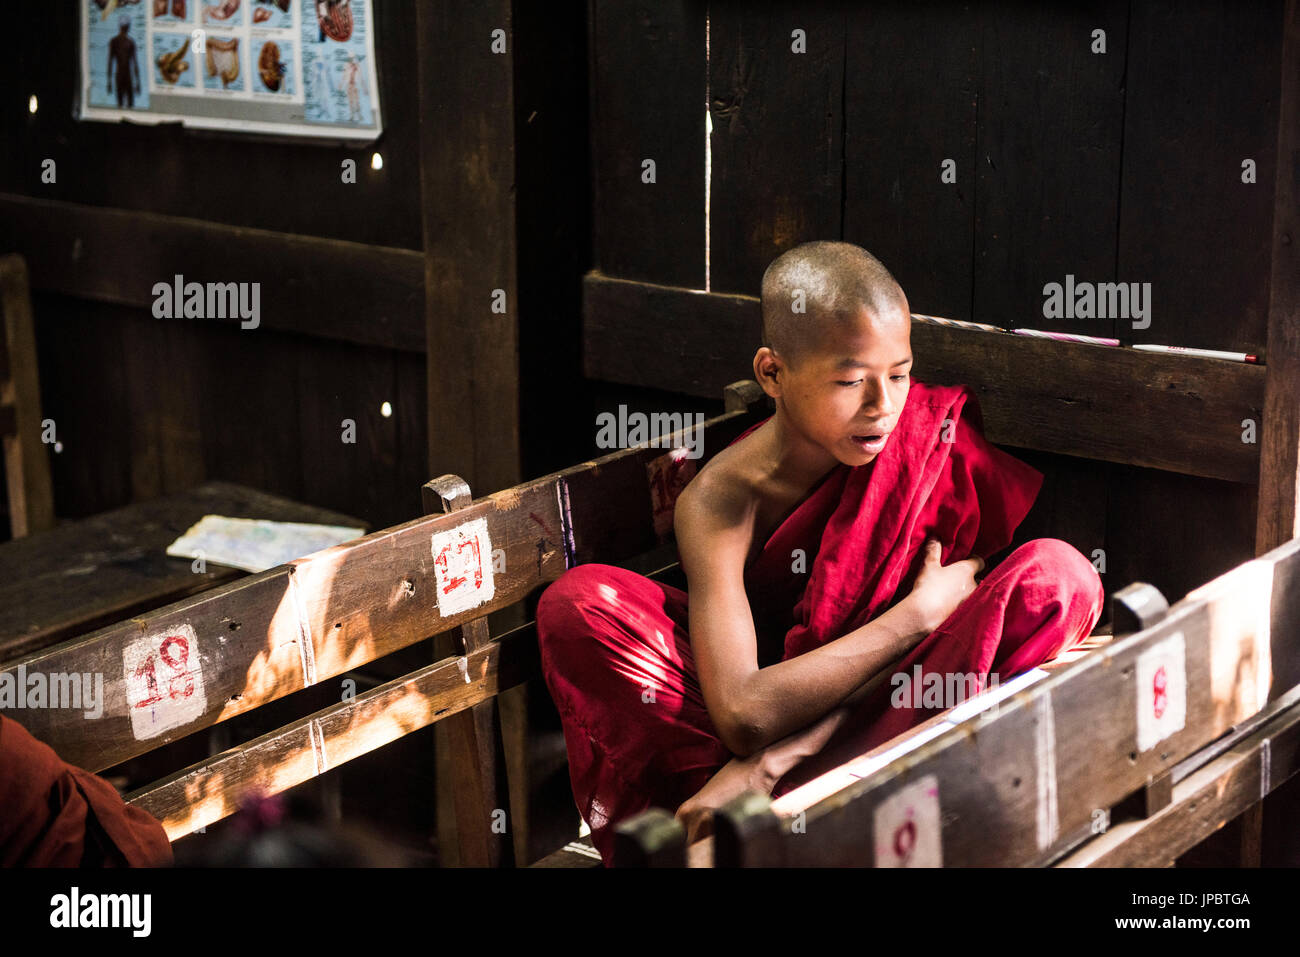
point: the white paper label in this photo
(462, 567)
(907, 826)
(1161, 691)
(164, 681)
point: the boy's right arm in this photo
(752, 707)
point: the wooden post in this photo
(747, 833)
(467, 159)
(1278, 518)
(31, 497)
(654, 838)
(473, 742)
(1279, 514)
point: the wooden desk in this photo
(94, 571)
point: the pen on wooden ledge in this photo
(1066, 337)
(1204, 353)
(957, 323)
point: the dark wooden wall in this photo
(1122, 166)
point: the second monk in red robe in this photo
(836, 542)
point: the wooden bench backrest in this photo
(242, 645)
(1035, 774)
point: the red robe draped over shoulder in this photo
(53, 814)
(937, 477)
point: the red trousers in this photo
(617, 659)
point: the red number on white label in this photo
(175, 653)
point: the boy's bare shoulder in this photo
(724, 494)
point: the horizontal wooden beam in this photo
(270, 634)
(212, 789)
(370, 295)
(1177, 413)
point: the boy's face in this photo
(847, 391)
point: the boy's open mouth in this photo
(871, 443)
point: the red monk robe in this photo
(617, 657)
(55, 815)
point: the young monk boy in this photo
(827, 551)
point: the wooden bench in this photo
(1091, 764)
(247, 643)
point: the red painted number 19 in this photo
(175, 654)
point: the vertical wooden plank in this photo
(905, 61)
(648, 103)
(1050, 121)
(776, 99)
(1278, 519)
(1279, 486)
(466, 175)
(478, 780)
(27, 467)
(1201, 97)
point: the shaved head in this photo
(821, 282)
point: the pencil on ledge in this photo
(957, 323)
(1066, 337)
(1204, 353)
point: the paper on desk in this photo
(256, 544)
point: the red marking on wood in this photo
(546, 528)
(1160, 685)
(175, 653)
(473, 564)
(905, 839)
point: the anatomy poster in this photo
(297, 67)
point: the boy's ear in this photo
(768, 371)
